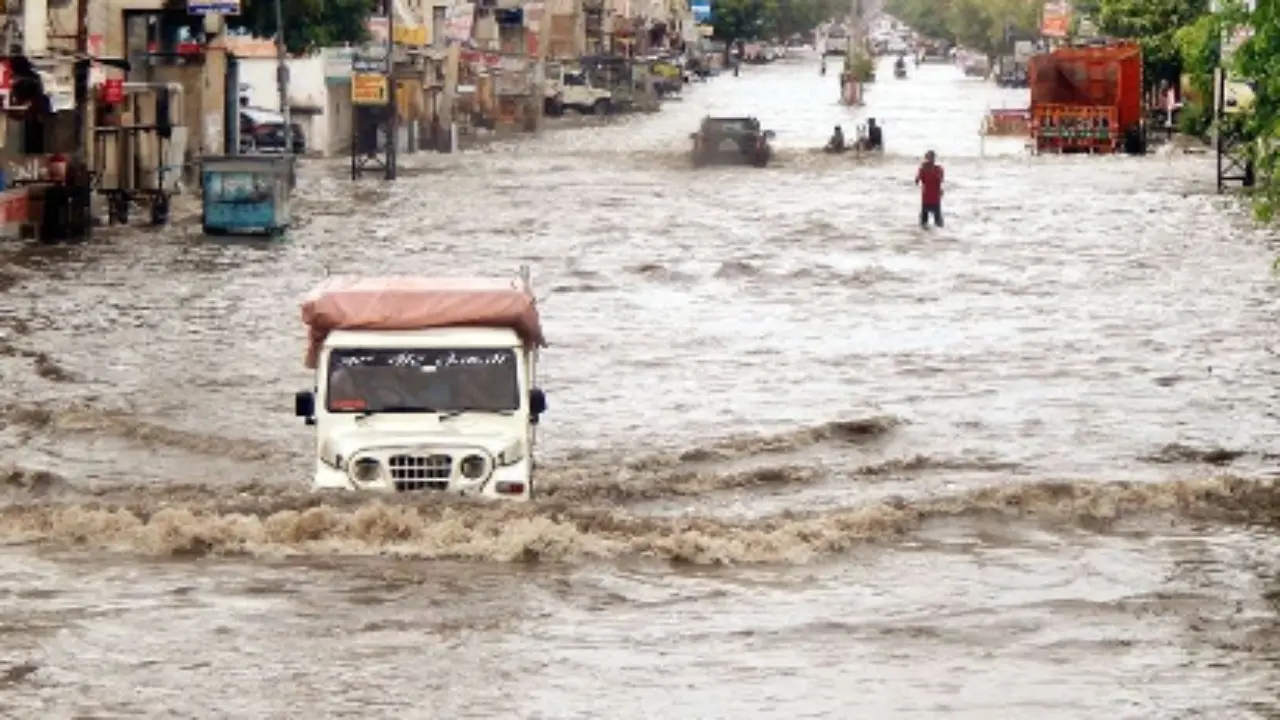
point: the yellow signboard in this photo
(413, 35)
(368, 89)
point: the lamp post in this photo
(282, 79)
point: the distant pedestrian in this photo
(929, 177)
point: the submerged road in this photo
(805, 460)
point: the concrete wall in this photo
(112, 20)
(337, 119)
(324, 128)
(62, 21)
(328, 129)
(210, 136)
(306, 82)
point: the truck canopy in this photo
(418, 303)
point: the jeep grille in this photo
(420, 467)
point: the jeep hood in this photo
(345, 443)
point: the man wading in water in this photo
(929, 178)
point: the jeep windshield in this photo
(730, 126)
(419, 381)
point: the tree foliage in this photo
(931, 18)
(1198, 47)
(784, 18)
(989, 26)
(1155, 25)
(737, 19)
(755, 19)
(1258, 60)
(308, 24)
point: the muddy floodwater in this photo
(803, 459)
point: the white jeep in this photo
(423, 384)
(573, 90)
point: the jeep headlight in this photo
(474, 467)
(366, 470)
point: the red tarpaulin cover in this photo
(417, 303)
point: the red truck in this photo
(1087, 99)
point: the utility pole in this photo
(374, 114)
(393, 115)
(282, 79)
(75, 189)
(80, 73)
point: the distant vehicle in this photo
(935, 53)
(836, 42)
(976, 66)
(573, 90)
(668, 74)
(1012, 78)
(724, 138)
(1010, 73)
(262, 131)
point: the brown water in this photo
(804, 459)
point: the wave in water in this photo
(282, 524)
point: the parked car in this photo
(262, 131)
(721, 138)
(573, 89)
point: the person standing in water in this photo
(875, 136)
(836, 143)
(929, 177)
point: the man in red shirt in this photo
(929, 178)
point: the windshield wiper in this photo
(455, 412)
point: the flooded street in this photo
(803, 459)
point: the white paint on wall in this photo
(213, 133)
(35, 27)
(328, 131)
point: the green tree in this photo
(1155, 25)
(308, 24)
(1198, 46)
(990, 26)
(1258, 60)
(784, 18)
(734, 20)
(931, 18)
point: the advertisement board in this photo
(369, 89)
(1055, 19)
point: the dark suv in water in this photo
(724, 138)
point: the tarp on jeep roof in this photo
(418, 303)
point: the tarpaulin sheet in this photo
(417, 303)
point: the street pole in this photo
(393, 127)
(80, 80)
(76, 189)
(282, 79)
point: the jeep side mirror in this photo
(304, 406)
(537, 404)
(693, 136)
(769, 134)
